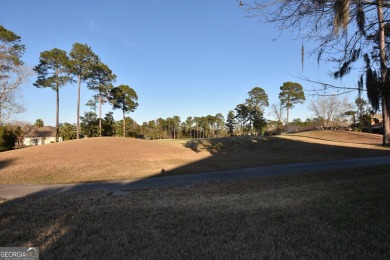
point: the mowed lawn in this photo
(325, 215)
(111, 158)
(328, 215)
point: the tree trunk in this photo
(100, 114)
(57, 108)
(385, 98)
(78, 107)
(58, 114)
(124, 124)
(288, 112)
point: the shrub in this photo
(7, 139)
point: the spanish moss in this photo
(372, 85)
(341, 15)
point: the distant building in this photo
(41, 135)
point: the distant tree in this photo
(68, 131)
(360, 114)
(90, 124)
(124, 98)
(230, 122)
(219, 120)
(7, 138)
(108, 123)
(363, 114)
(256, 104)
(39, 123)
(20, 129)
(308, 122)
(291, 93)
(330, 110)
(176, 126)
(210, 125)
(258, 99)
(196, 130)
(189, 122)
(81, 64)
(145, 131)
(101, 81)
(53, 73)
(259, 123)
(161, 128)
(131, 130)
(242, 115)
(12, 73)
(152, 127)
(173, 124)
(297, 122)
(277, 111)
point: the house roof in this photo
(46, 131)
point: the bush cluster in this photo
(7, 139)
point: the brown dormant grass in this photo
(102, 159)
(333, 215)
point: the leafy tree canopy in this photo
(124, 97)
(82, 61)
(11, 51)
(258, 99)
(291, 93)
(52, 69)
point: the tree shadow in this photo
(254, 151)
(155, 224)
(54, 218)
(4, 163)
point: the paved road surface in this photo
(122, 187)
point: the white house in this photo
(41, 135)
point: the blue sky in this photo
(182, 57)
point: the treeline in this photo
(247, 118)
(169, 128)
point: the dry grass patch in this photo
(95, 159)
(335, 215)
(340, 137)
(103, 159)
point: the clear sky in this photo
(182, 57)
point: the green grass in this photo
(332, 215)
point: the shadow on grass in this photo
(5, 163)
(323, 216)
(313, 216)
(252, 151)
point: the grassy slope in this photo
(331, 215)
(100, 159)
(336, 215)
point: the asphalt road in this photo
(126, 186)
